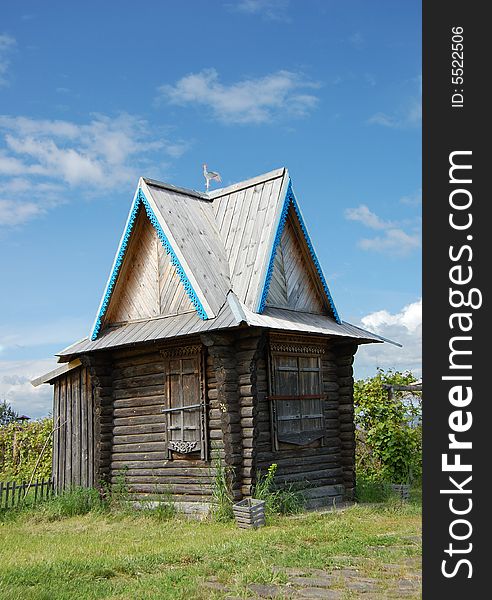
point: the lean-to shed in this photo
(216, 333)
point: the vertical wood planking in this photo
(68, 441)
(84, 425)
(62, 452)
(91, 416)
(56, 433)
(76, 427)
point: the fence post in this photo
(1, 493)
(13, 493)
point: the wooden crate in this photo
(249, 513)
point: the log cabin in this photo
(216, 333)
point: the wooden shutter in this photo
(298, 399)
(185, 406)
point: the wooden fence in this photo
(12, 493)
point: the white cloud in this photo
(365, 216)
(15, 213)
(16, 389)
(408, 115)
(414, 199)
(49, 155)
(259, 100)
(272, 10)
(404, 327)
(7, 44)
(394, 240)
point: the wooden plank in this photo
(56, 433)
(62, 455)
(69, 432)
(91, 416)
(246, 258)
(214, 194)
(239, 239)
(48, 377)
(195, 239)
(260, 220)
(136, 292)
(84, 430)
(267, 235)
(76, 428)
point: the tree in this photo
(388, 430)
(7, 413)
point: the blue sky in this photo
(95, 94)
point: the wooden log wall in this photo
(223, 397)
(318, 464)
(74, 439)
(344, 361)
(250, 350)
(139, 453)
(114, 427)
(100, 369)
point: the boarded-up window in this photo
(185, 407)
(297, 399)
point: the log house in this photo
(216, 333)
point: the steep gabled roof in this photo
(228, 240)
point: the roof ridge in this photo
(210, 196)
(178, 189)
(240, 185)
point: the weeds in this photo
(222, 499)
(160, 505)
(285, 500)
(369, 490)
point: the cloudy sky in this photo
(95, 94)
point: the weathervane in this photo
(210, 175)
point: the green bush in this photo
(20, 447)
(388, 431)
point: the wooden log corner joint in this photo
(217, 338)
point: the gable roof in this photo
(223, 246)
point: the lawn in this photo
(373, 549)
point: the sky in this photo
(95, 94)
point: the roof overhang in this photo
(55, 373)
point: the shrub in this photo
(20, 447)
(388, 432)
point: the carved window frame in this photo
(184, 447)
(295, 350)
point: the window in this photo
(185, 406)
(297, 400)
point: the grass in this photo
(122, 556)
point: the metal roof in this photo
(232, 314)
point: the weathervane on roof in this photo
(210, 175)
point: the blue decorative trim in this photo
(291, 199)
(142, 200)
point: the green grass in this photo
(123, 556)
